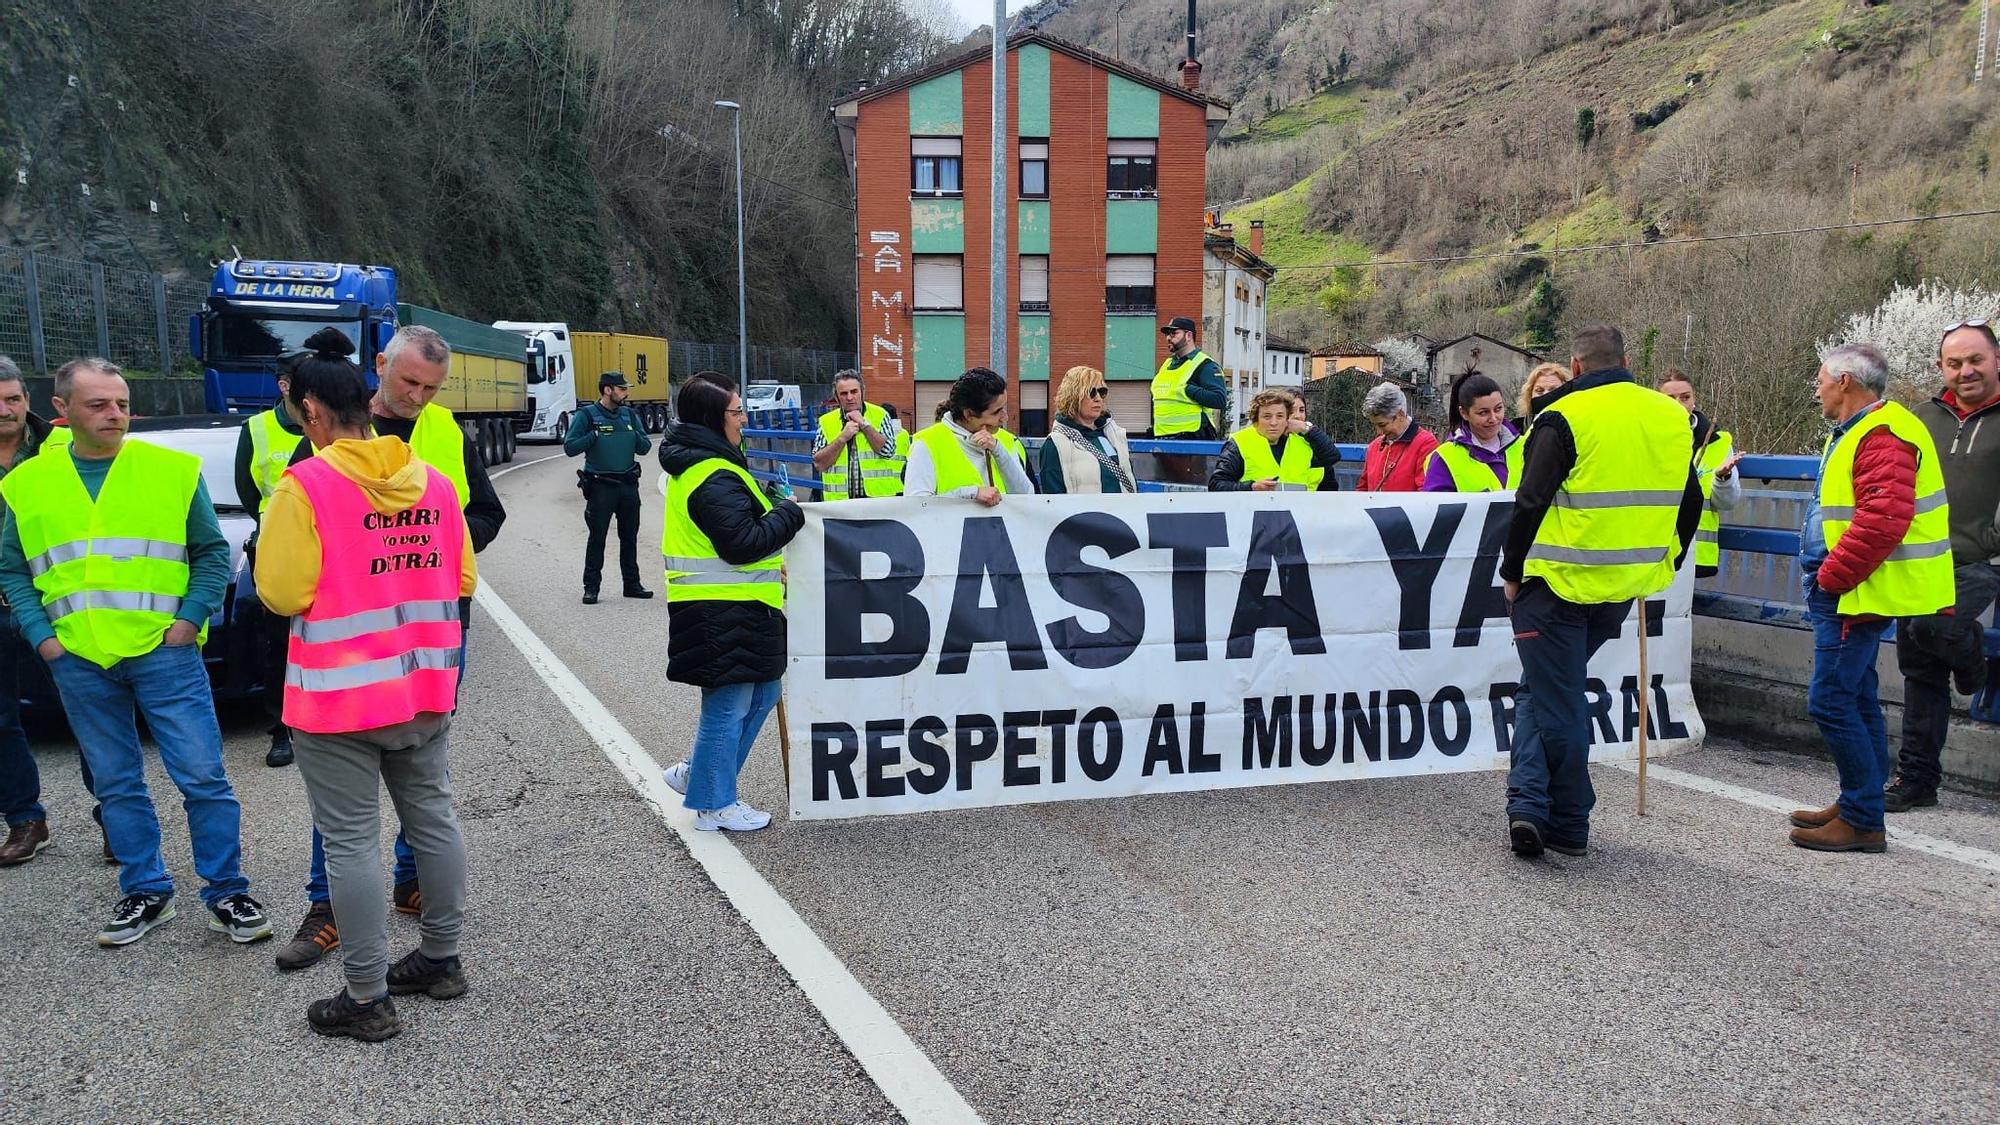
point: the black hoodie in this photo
(713, 643)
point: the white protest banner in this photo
(945, 655)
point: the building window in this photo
(1131, 173)
(1034, 283)
(1034, 169)
(936, 165)
(1128, 283)
(940, 283)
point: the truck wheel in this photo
(512, 440)
(562, 426)
(495, 445)
(656, 423)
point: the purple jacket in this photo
(1437, 475)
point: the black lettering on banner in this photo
(1416, 566)
(1364, 725)
(1599, 698)
(984, 552)
(1017, 732)
(1315, 751)
(829, 763)
(1274, 543)
(1669, 727)
(1098, 767)
(978, 740)
(927, 749)
(1096, 588)
(1485, 599)
(1190, 536)
(850, 599)
(1199, 759)
(883, 756)
(1660, 722)
(1058, 723)
(1267, 739)
(1449, 705)
(1406, 724)
(1504, 699)
(1163, 742)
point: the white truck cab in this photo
(551, 380)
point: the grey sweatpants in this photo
(344, 775)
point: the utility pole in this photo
(998, 321)
(742, 300)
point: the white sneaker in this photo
(677, 777)
(738, 817)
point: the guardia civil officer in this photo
(1186, 389)
(372, 677)
(860, 448)
(1604, 512)
(264, 446)
(723, 540)
(609, 436)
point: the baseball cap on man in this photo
(1180, 322)
(611, 379)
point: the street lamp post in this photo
(742, 302)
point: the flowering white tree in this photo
(1906, 327)
(1401, 357)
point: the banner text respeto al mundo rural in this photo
(945, 655)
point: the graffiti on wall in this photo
(888, 344)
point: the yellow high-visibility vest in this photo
(950, 465)
(1708, 540)
(1470, 474)
(1916, 579)
(438, 442)
(1173, 411)
(880, 476)
(1609, 534)
(112, 571)
(695, 571)
(1295, 473)
(271, 448)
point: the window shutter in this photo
(1034, 278)
(1128, 269)
(940, 281)
(935, 146)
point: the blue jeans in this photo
(731, 716)
(169, 686)
(1548, 775)
(317, 890)
(1843, 701)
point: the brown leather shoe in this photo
(1837, 835)
(1815, 818)
(24, 842)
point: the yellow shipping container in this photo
(642, 360)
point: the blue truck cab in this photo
(260, 311)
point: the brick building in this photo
(1107, 167)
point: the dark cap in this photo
(611, 379)
(1180, 322)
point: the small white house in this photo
(1234, 278)
(1285, 363)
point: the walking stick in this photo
(1645, 690)
(785, 745)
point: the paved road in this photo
(1352, 951)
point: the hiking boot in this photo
(1970, 679)
(1525, 838)
(1902, 796)
(341, 1014)
(24, 842)
(317, 937)
(1837, 835)
(590, 597)
(280, 753)
(677, 777)
(408, 899)
(1575, 849)
(241, 918)
(1815, 818)
(637, 592)
(734, 817)
(133, 916)
(439, 980)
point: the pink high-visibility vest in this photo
(380, 643)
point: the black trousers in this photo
(604, 497)
(1927, 650)
(1548, 779)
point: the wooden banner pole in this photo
(1645, 700)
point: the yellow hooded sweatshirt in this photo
(288, 547)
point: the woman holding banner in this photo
(725, 596)
(1281, 450)
(1484, 453)
(1086, 450)
(965, 453)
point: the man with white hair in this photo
(1395, 460)
(1876, 546)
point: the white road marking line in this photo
(905, 1075)
(1931, 845)
(557, 456)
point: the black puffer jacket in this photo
(713, 643)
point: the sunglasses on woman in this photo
(1100, 392)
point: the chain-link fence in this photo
(53, 310)
(775, 365)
